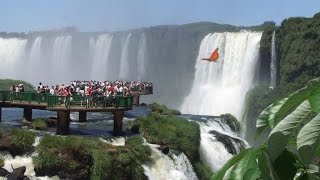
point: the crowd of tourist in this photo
(96, 88)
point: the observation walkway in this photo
(75, 103)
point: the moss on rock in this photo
(88, 158)
(39, 124)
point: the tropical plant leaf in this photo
(247, 167)
(280, 134)
(266, 168)
(285, 165)
(235, 159)
(308, 140)
(314, 99)
(262, 121)
(292, 102)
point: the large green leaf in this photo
(234, 160)
(266, 168)
(314, 99)
(285, 165)
(308, 140)
(247, 167)
(262, 121)
(292, 102)
(280, 134)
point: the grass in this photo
(22, 141)
(89, 158)
(39, 124)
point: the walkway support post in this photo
(63, 122)
(117, 124)
(27, 114)
(0, 114)
(136, 100)
(82, 116)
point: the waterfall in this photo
(273, 67)
(142, 57)
(163, 167)
(12, 53)
(213, 152)
(61, 67)
(124, 61)
(36, 61)
(220, 87)
(99, 53)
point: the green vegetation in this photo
(89, 158)
(39, 124)
(292, 148)
(6, 84)
(22, 141)
(1, 162)
(231, 121)
(163, 127)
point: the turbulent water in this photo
(212, 151)
(163, 167)
(221, 87)
(167, 58)
(273, 67)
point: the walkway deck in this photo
(64, 105)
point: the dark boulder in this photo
(4, 172)
(143, 104)
(164, 149)
(17, 173)
(5, 141)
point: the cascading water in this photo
(12, 51)
(36, 61)
(221, 87)
(213, 152)
(60, 58)
(273, 67)
(163, 167)
(124, 61)
(142, 57)
(99, 51)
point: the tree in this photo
(292, 148)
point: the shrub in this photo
(22, 141)
(39, 124)
(89, 158)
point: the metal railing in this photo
(67, 102)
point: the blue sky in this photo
(95, 15)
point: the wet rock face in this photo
(227, 141)
(5, 141)
(3, 172)
(17, 173)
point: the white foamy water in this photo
(124, 61)
(213, 152)
(12, 52)
(273, 67)
(165, 168)
(118, 141)
(60, 58)
(99, 51)
(142, 57)
(220, 87)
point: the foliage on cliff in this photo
(292, 148)
(6, 84)
(163, 127)
(89, 158)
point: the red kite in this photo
(214, 56)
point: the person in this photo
(39, 87)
